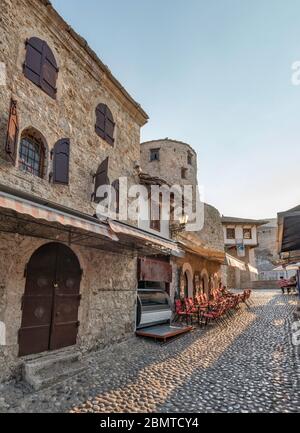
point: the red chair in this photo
(217, 314)
(191, 308)
(180, 312)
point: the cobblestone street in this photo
(248, 366)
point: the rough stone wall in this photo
(266, 253)
(108, 288)
(82, 85)
(212, 233)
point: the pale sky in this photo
(215, 74)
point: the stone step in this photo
(51, 368)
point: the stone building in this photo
(67, 126)
(241, 240)
(201, 268)
(266, 254)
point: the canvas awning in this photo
(232, 261)
(124, 231)
(28, 215)
(46, 213)
(289, 230)
(191, 243)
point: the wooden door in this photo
(51, 300)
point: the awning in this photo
(41, 212)
(192, 243)
(289, 230)
(252, 269)
(153, 241)
(232, 261)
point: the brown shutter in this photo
(40, 65)
(100, 178)
(116, 186)
(105, 124)
(33, 61)
(109, 127)
(49, 72)
(12, 131)
(100, 120)
(61, 159)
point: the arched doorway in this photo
(51, 300)
(205, 281)
(186, 285)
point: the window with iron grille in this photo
(230, 233)
(154, 155)
(31, 155)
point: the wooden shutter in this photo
(40, 66)
(33, 61)
(49, 72)
(100, 120)
(12, 131)
(100, 178)
(61, 160)
(105, 124)
(116, 186)
(109, 127)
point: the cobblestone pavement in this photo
(248, 366)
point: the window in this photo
(154, 155)
(183, 173)
(247, 233)
(40, 66)
(230, 233)
(105, 125)
(190, 158)
(32, 154)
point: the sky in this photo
(217, 75)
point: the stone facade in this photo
(266, 253)
(175, 156)
(109, 282)
(108, 290)
(82, 84)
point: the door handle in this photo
(55, 285)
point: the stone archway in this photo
(51, 300)
(189, 279)
(205, 281)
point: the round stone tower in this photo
(171, 160)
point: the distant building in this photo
(266, 253)
(241, 239)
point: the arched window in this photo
(32, 153)
(40, 66)
(105, 124)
